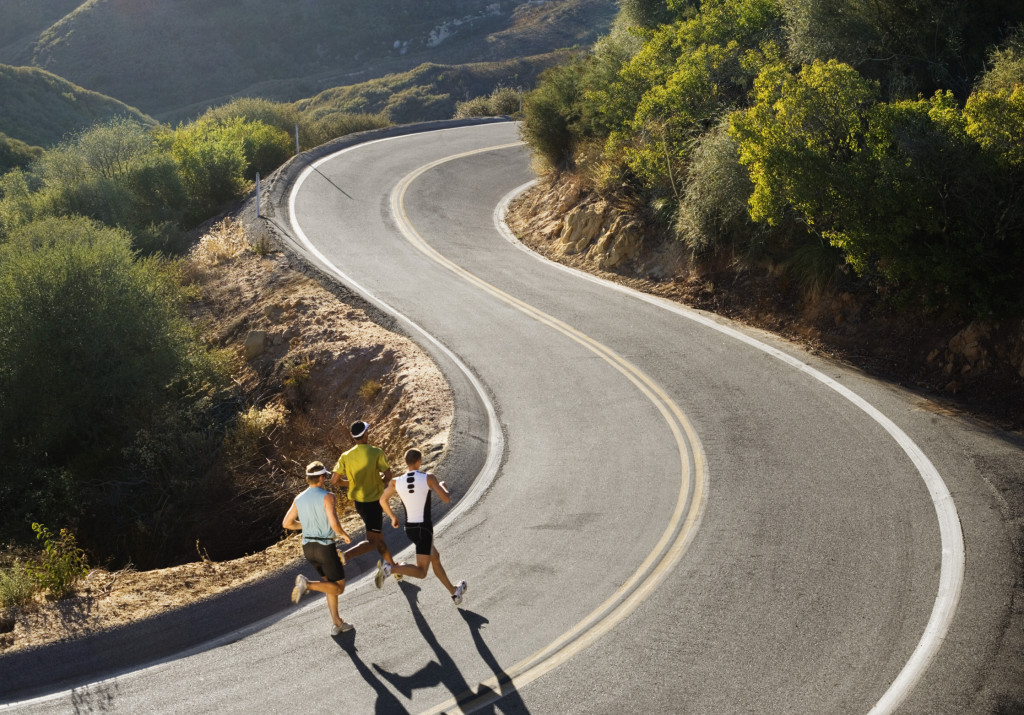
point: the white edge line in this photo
(496, 439)
(483, 480)
(951, 575)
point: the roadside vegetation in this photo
(128, 426)
(863, 147)
(115, 411)
(433, 91)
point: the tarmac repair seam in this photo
(682, 525)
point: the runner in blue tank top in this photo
(313, 512)
(414, 488)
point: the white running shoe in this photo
(343, 628)
(378, 578)
(301, 587)
(459, 590)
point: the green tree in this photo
(645, 13)
(909, 47)
(94, 347)
(996, 121)
(798, 139)
(1005, 66)
(552, 112)
(922, 198)
(16, 154)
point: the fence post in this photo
(297, 138)
(257, 194)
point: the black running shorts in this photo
(422, 536)
(324, 558)
(372, 514)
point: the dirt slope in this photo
(314, 365)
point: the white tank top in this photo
(412, 488)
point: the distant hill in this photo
(22, 21)
(172, 58)
(430, 91)
(39, 108)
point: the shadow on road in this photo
(386, 700)
(443, 671)
(98, 698)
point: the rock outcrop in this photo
(601, 233)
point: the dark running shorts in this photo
(422, 536)
(372, 514)
(325, 558)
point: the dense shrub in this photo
(95, 354)
(61, 563)
(114, 173)
(920, 196)
(16, 586)
(853, 138)
(16, 154)
(332, 126)
(503, 101)
(713, 211)
(551, 112)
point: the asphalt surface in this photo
(677, 521)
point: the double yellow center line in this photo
(682, 525)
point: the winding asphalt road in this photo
(660, 511)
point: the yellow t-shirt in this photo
(362, 466)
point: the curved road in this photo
(678, 514)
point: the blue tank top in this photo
(315, 526)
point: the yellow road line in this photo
(682, 525)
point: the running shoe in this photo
(459, 590)
(341, 552)
(398, 576)
(343, 628)
(378, 578)
(301, 587)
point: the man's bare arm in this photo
(291, 518)
(332, 518)
(389, 492)
(440, 488)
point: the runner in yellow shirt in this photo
(364, 472)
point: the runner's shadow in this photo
(386, 700)
(444, 671)
(505, 697)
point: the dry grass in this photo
(370, 389)
(224, 242)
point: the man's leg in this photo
(331, 589)
(377, 540)
(373, 516)
(359, 549)
(435, 562)
(417, 571)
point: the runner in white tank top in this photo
(414, 489)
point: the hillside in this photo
(39, 108)
(201, 54)
(25, 20)
(428, 92)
